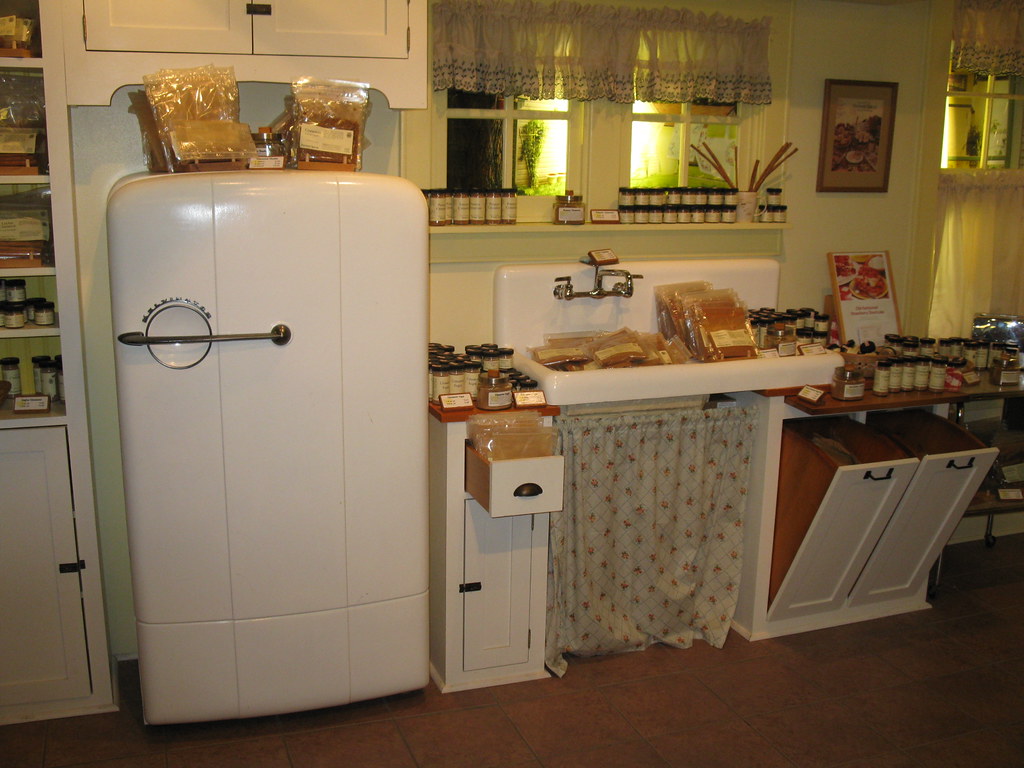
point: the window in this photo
(661, 139)
(497, 141)
(983, 121)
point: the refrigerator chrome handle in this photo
(279, 334)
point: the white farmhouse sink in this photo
(525, 309)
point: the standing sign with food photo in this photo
(864, 295)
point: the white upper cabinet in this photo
(363, 28)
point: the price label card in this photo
(31, 403)
(604, 216)
(810, 394)
(1010, 494)
(532, 398)
(601, 257)
(458, 402)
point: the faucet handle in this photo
(563, 291)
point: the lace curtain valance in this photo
(988, 36)
(567, 50)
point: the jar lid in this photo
(40, 358)
(569, 197)
(843, 373)
(9, 361)
(493, 376)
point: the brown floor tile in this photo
(628, 754)
(665, 704)
(989, 636)
(821, 734)
(430, 699)
(724, 746)
(360, 712)
(888, 760)
(759, 685)
(144, 761)
(378, 744)
(575, 722)
(930, 658)
(214, 732)
(467, 738)
(911, 714)
(22, 744)
(265, 752)
(848, 675)
(585, 672)
(92, 738)
(737, 648)
(992, 695)
(987, 747)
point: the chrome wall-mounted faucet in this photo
(564, 288)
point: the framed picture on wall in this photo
(856, 136)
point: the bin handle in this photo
(951, 464)
(887, 476)
(528, 490)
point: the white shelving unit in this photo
(56, 660)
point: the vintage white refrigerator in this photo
(272, 333)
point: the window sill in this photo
(455, 230)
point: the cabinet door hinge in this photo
(71, 567)
(259, 9)
(470, 586)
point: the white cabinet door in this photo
(362, 28)
(357, 28)
(921, 525)
(852, 515)
(496, 623)
(41, 627)
(200, 26)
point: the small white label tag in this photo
(529, 398)
(812, 349)
(1010, 494)
(336, 140)
(810, 394)
(456, 402)
(31, 403)
(768, 353)
(265, 163)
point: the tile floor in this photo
(936, 688)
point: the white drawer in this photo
(515, 486)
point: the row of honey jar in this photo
(47, 376)
(483, 371)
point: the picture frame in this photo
(857, 123)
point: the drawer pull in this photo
(951, 464)
(886, 476)
(528, 490)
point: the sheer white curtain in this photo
(567, 50)
(980, 249)
(988, 36)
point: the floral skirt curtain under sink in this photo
(649, 545)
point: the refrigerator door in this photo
(268, 480)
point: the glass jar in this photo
(270, 150)
(922, 372)
(492, 206)
(494, 391)
(880, 384)
(439, 381)
(716, 197)
(896, 376)
(641, 196)
(14, 289)
(697, 214)
(437, 215)
(937, 374)
(477, 207)
(14, 314)
(10, 370)
(847, 383)
(773, 196)
(460, 207)
(1004, 370)
(509, 206)
(568, 209)
(626, 214)
(657, 196)
(955, 374)
(656, 214)
(927, 346)
(37, 361)
(627, 196)
(48, 379)
(641, 214)
(505, 355)
(907, 380)
(674, 196)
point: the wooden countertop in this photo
(984, 390)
